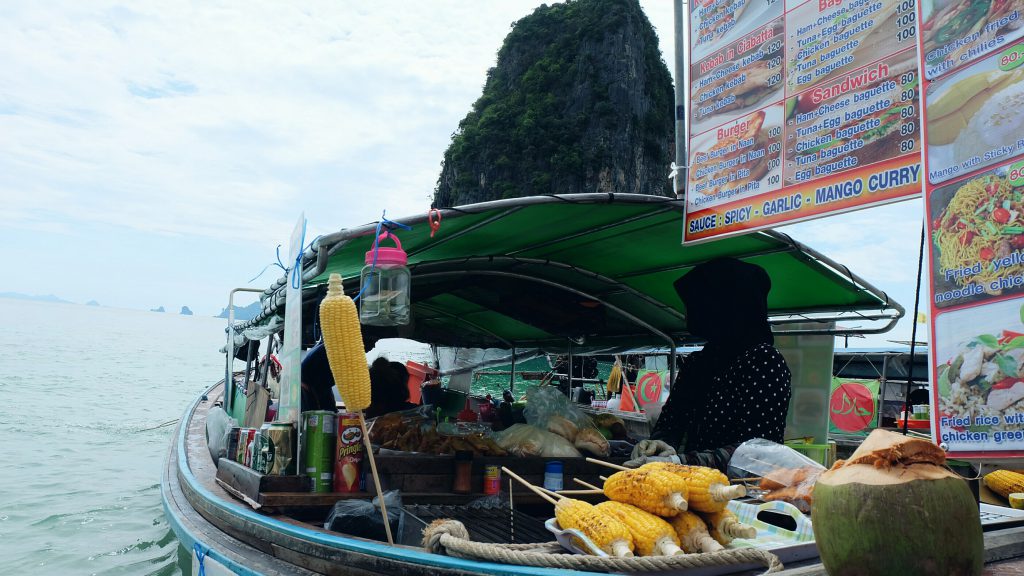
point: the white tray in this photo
(789, 546)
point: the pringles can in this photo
(319, 433)
(282, 434)
(348, 464)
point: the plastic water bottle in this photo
(553, 476)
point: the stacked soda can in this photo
(319, 434)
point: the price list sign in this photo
(972, 54)
(798, 110)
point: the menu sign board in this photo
(799, 110)
(972, 54)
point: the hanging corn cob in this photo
(615, 378)
(724, 526)
(708, 488)
(693, 533)
(656, 491)
(603, 529)
(343, 341)
(1005, 482)
(652, 535)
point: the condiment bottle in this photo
(553, 476)
(463, 472)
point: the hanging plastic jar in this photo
(384, 285)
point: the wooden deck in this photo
(251, 542)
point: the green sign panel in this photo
(853, 406)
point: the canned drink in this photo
(240, 447)
(349, 459)
(232, 448)
(492, 479)
(250, 439)
(282, 435)
(319, 432)
(263, 451)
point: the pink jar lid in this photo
(388, 255)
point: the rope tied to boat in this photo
(450, 537)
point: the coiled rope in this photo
(450, 537)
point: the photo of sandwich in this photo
(831, 43)
(733, 88)
(973, 119)
(860, 119)
(735, 158)
(947, 23)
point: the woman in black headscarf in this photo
(734, 389)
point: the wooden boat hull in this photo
(231, 533)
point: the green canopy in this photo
(592, 269)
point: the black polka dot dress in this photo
(747, 399)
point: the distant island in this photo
(37, 297)
(92, 303)
(160, 309)
(243, 312)
(185, 311)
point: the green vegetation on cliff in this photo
(580, 100)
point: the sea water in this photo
(88, 399)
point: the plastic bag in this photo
(548, 409)
(784, 473)
(363, 518)
(528, 440)
(218, 428)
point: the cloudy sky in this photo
(155, 153)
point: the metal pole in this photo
(682, 86)
(229, 381)
(512, 373)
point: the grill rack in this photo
(496, 525)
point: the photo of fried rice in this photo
(977, 235)
(981, 376)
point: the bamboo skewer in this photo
(607, 464)
(587, 484)
(531, 487)
(376, 478)
(588, 492)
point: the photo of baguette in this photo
(831, 43)
(853, 127)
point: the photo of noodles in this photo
(983, 375)
(978, 235)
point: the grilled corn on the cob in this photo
(652, 535)
(708, 488)
(1005, 482)
(604, 530)
(656, 491)
(343, 341)
(615, 378)
(693, 533)
(724, 526)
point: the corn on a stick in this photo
(725, 525)
(343, 343)
(655, 491)
(693, 533)
(604, 530)
(653, 536)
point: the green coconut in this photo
(894, 508)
